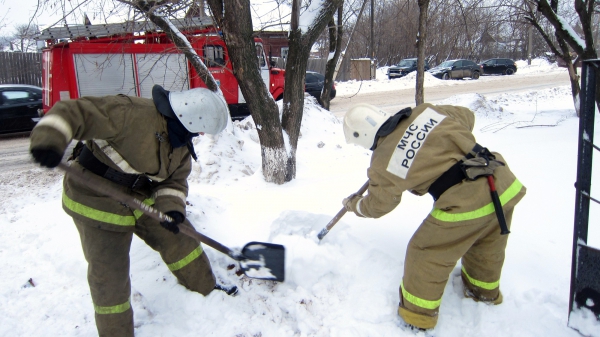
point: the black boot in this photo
(231, 290)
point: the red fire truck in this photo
(129, 58)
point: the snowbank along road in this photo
(395, 100)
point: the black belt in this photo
(90, 162)
(453, 176)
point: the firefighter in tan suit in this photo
(143, 148)
(431, 149)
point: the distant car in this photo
(456, 69)
(314, 83)
(499, 66)
(403, 68)
(19, 107)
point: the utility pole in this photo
(372, 40)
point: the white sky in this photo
(265, 12)
(346, 286)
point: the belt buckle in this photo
(136, 181)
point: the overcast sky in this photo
(21, 11)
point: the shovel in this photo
(339, 215)
(260, 260)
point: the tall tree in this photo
(585, 47)
(307, 22)
(235, 20)
(335, 46)
(561, 51)
(421, 38)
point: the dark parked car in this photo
(499, 67)
(403, 68)
(456, 69)
(19, 105)
(314, 83)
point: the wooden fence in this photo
(21, 68)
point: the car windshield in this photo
(446, 64)
(406, 63)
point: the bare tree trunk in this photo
(563, 53)
(421, 38)
(573, 77)
(293, 96)
(335, 45)
(585, 10)
(235, 20)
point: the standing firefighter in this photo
(431, 149)
(142, 147)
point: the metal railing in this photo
(585, 267)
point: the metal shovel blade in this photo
(264, 261)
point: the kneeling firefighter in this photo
(431, 149)
(142, 147)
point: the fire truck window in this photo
(260, 56)
(214, 56)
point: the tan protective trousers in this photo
(431, 256)
(107, 254)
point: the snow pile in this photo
(479, 104)
(235, 152)
(538, 65)
(344, 286)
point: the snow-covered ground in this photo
(346, 285)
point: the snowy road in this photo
(402, 92)
(14, 154)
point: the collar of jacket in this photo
(180, 136)
(390, 125)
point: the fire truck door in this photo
(263, 65)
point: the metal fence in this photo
(21, 68)
(585, 268)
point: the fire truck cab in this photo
(129, 58)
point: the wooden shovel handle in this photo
(99, 184)
(340, 214)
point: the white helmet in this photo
(361, 124)
(200, 110)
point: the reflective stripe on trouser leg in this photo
(431, 256)
(182, 254)
(482, 264)
(107, 254)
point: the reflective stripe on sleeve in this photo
(358, 207)
(58, 123)
(115, 309)
(419, 302)
(481, 284)
(118, 160)
(186, 260)
(94, 214)
(507, 196)
(170, 192)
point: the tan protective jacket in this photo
(129, 135)
(420, 149)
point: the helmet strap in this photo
(179, 136)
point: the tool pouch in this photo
(480, 167)
(484, 164)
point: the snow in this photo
(382, 83)
(309, 14)
(347, 284)
(567, 27)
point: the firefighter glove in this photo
(347, 202)
(46, 157)
(172, 226)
